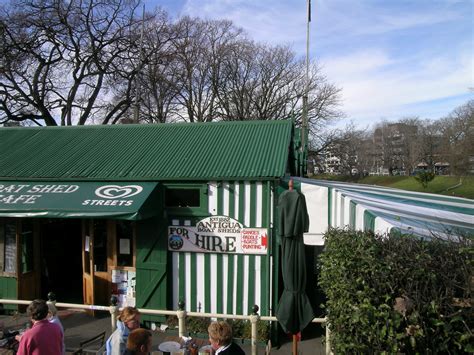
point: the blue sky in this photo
(392, 58)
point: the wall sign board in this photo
(218, 234)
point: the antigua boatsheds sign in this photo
(218, 234)
(72, 199)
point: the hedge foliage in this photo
(397, 294)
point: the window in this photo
(9, 240)
(100, 246)
(124, 243)
(182, 198)
(86, 246)
(186, 199)
(27, 252)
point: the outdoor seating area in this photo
(85, 334)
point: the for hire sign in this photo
(218, 234)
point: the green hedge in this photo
(397, 294)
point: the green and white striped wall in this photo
(380, 209)
(229, 283)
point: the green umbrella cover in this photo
(294, 311)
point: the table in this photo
(198, 341)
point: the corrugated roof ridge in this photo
(136, 125)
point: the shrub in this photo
(424, 178)
(396, 293)
(243, 329)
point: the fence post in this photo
(328, 338)
(113, 312)
(181, 313)
(254, 317)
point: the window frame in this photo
(202, 210)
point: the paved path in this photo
(80, 326)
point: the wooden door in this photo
(101, 261)
(87, 262)
(28, 263)
(151, 265)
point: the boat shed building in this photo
(153, 214)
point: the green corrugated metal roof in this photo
(191, 151)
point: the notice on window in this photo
(87, 243)
(119, 276)
(124, 246)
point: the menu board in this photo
(10, 248)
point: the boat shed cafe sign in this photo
(218, 234)
(62, 199)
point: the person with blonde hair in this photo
(128, 320)
(53, 318)
(139, 342)
(221, 339)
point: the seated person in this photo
(139, 342)
(53, 318)
(43, 337)
(128, 320)
(220, 337)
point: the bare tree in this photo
(458, 138)
(80, 61)
(200, 48)
(64, 61)
(157, 81)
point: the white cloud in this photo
(376, 85)
(391, 58)
(266, 21)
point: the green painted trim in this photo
(240, 283)
(251, 284)
(230, 284)
(263, 301)
(232, 199)
(182, 277)
(242, 203)
(265, 204)
(251, 264)
(352, 214)
(193, 282)
(207, 283)
(369, 221)
(220, 199)
(220, 285)
(9, 290)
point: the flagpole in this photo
(304, 124)
(138, 94)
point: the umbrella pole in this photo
(295, 344)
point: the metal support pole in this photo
(113, 312)
(328, 339)
(254, 317)
(181, 313)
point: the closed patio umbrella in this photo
(294, 311)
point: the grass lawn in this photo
(444, 185)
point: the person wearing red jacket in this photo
(44, 337)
